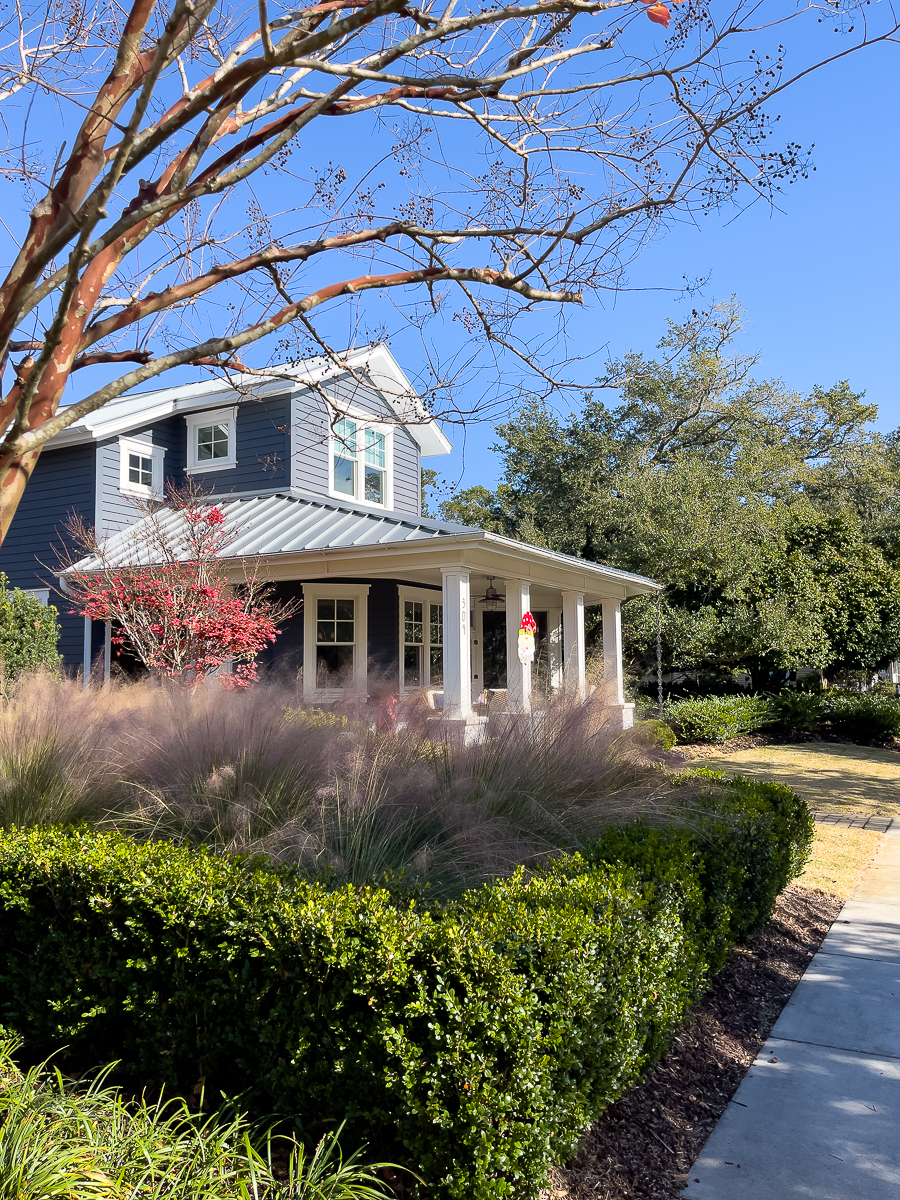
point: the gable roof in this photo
(138, 409)
(301, 528)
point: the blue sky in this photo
(816, 276)
(818, 279)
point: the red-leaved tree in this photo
(164, 586)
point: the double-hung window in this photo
(212, 440)
(334, 638)
(360, 462)
(140, 468)
(422, 635)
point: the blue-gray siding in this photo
(311, 432)
(309, 443)
(113, 510)
(384, 632)
(263, 439)
(407, 479)
(62, 483)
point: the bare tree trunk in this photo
(13, 488)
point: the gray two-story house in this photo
(318, 470)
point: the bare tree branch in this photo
(505, 158)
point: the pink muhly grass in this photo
(259, 772)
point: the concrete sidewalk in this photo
(818, 1114)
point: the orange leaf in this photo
(660, 14)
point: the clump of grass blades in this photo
(61, 751)
(87, 1143)
(252, 773)
(343, 801)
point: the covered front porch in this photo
(456, 598)
(411, 604)
(449, 642)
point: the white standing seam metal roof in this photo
(288, 522)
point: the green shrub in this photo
(873, 717)
(475, 1040)
(752, 840)
(315, 718)
(717, 718)
(656, 733)
(29, 632)
(801, 711)
(863, 718)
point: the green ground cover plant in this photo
(865, 718)
(717, 718)
(86, 1141)
(473, 1036)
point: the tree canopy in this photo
(199, 177)
(770, 516)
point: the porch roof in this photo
(303, 536)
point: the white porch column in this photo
(555, 647)
(573, 643)
(518, 675)
(457, 648)
(107, 651)
(612, 651)
(613, 677)
(86, 669)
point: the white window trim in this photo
(426, 597)
(146, 450)
(337, 591)
(213, 416)
(41, 594)
(363, 423)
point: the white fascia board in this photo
(389, 378)
(140, 408)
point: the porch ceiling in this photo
(301, 536)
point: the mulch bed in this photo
(645, 1143)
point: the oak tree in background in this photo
(202, 175)
(771, 517)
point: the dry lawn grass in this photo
(838, 858)
(832, 777)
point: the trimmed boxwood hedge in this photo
(474, 1041)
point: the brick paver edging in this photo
(855, 821)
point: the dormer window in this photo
(140, 468)
(360, 462)
(212, 440)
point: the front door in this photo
(493, 644)
(493, 647)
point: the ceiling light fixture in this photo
(491, 597)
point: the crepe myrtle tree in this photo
(203, 175)
(165, 587)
